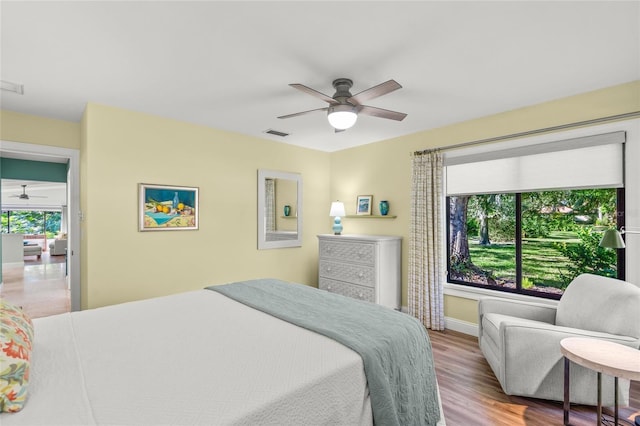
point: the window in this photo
(526, 216)
(31, 222)
(531, 242)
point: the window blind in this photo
(587, 162)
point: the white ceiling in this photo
(42, 195)
(228, 64)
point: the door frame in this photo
(73, 204)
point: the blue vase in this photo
(287, 210)
(384, 207)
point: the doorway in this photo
(45, 153)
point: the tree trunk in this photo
(459, 244)
(483, 236)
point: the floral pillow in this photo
(16, 335)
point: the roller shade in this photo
(587, 162)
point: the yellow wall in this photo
(461, 309)
(384, 168)
(120, 149)
(17, 127)
(123, 148)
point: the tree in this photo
(588, 257)
(460, 257)
(484, 208)
(598, 202)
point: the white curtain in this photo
(63, 220)
(270, 205)
(426, 262)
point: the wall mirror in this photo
(279, 209)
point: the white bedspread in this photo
(195, 358)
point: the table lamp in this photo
(337, 210)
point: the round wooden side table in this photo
(601, 356)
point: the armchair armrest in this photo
(515, 308)
(519, 336)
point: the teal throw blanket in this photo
(394, 347)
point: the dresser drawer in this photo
(348, 251)
(349, 272)
(349, 290)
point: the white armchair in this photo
(521, 340)
(58, 247)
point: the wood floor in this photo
(471, 395)
(40, 287)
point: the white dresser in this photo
(365, 267)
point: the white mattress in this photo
(195, 358)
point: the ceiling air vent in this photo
(276, 133)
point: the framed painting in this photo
(167, 207)
(363, 205)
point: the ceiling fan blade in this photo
(374, 92)
(296, 114)
(314, 93)
(381, 113)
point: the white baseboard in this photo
(455, 324)
(461, 326)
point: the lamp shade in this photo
(337, 209)
(612, 239)
(342, 117)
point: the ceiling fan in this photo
(25, 196)
(344, 107)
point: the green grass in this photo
(542, 262)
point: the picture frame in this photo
(363, 204)
(167, 207)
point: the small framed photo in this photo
(167, 207)
(363, 205)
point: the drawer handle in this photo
(361, 295)
(360, 253)
(328, 288)
(328, 269)
(327, 249)
(360, 274)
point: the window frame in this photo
(620, 267)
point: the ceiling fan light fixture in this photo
(342, 117)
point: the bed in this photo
(228, 355)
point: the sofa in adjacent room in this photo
(58, 247)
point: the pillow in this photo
(16, 335)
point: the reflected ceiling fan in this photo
(344, 107)
(25, 196)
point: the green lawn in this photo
(542, 262)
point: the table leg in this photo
(599, 398)
(615, 400)
(567, 404)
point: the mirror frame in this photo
(263, 175)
